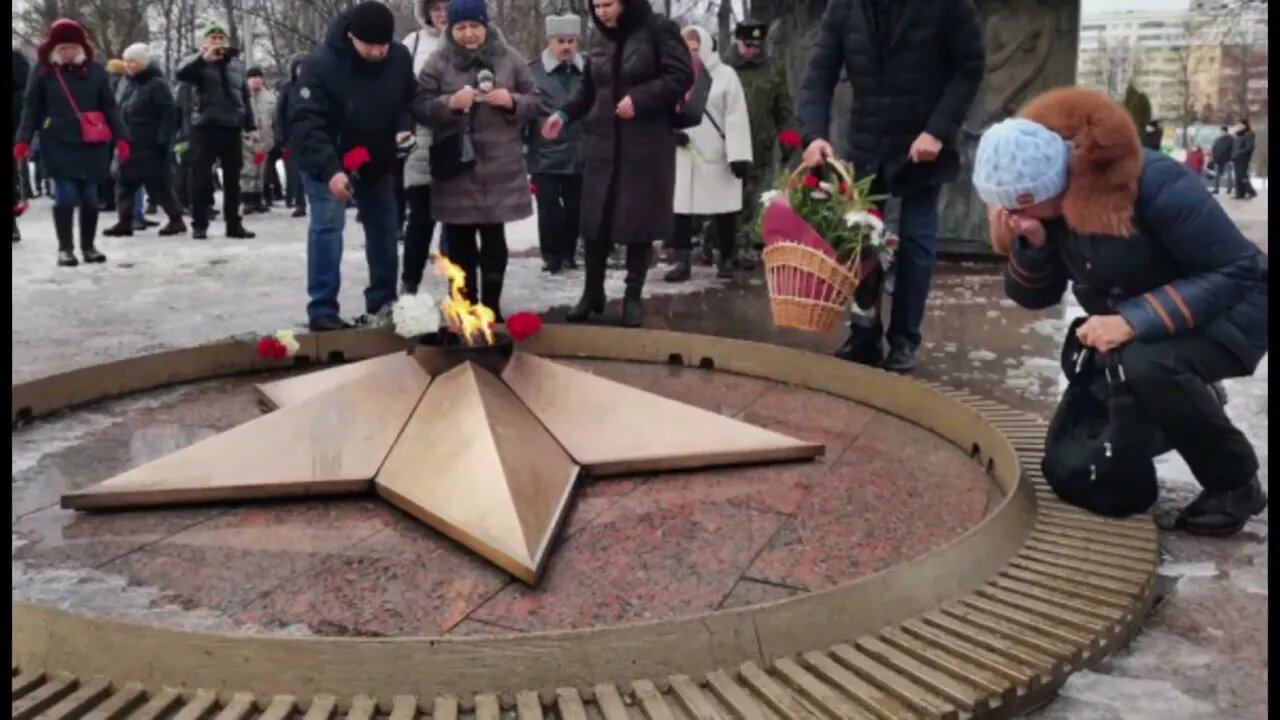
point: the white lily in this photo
(854, 218)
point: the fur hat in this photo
(1020, 163)
(137, 52)
(473, 10)
(1106, 158)
(751, 31)
(62, 32)
(564, 26)
(372, 22)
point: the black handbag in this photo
(1099, 449)
(451, 156)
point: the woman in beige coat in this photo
(475, 94)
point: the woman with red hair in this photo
(70, 103)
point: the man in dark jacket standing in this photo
(220, 112)
(1153, 136)
(1241, 157)
(287, 93)
(1220, 159)
(555, 166)
(355, 100)
(915, 67)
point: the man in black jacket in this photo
(1220, 159)
(220, 112)
(355, 99)
(287, 93)
(915, 67)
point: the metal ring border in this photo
(987, 626)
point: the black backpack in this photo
(1099, 449)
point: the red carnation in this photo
(272, 349)
(259, 158)
(842, 188)
(533, 189)
(811, 181)
(284, 154)
(355, 158)
(874, 212)
(20, 208)
(790, 139)
(523, 325)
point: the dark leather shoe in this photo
(586, 307)
(67, 259)
(119, 230)
(329, 324)
(199, 234)
(902, 359)
(173, 228)
(680, 272)
(1225, 512)
(237, 232)
(632, 313)
(91, 255)
(864, 346)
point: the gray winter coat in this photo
(557, 82)
(220, 96)
(496, 189)
(422, 45)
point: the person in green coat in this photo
(770, 111)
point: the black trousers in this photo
(489, 258)
(209, 145)
(1244, 186)
(726, 229)
(1170, 381)
(271, 185)
(417, 238)
(402, 195)
(159, 191)
(293, 184)
(559, 199)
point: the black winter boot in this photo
(681, 272)
(64, 222)
(728, 258)
(237, 232)
(174, 227)
(638, 258)
(1224, 512)
(491, 296)
(595, 257)
(88, 233)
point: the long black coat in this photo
(147, 107)
(630, 174)
(923, 78)
(21, 74)
(46, 109)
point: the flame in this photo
(472, 322)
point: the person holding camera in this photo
(476, 94)
(220, 113)
(350, 119)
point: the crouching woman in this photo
(1167, 279)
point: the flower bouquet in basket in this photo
(820, 239)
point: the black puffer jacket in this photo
(147, 107)
(346, 102)
(921, 75)
(286, 94)
(220, 96)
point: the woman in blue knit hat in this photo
(1167, 279)
(476, 94)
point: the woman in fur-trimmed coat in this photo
(1168, 280)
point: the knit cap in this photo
(213, 29)
(372, 22)
(1020, 163)
(473, 10)
(137, 52)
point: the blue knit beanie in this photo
(1020, 163)
(474, 10)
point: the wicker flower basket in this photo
(809, 288)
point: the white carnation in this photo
(768, 196)
(854, 218)
(415, 315)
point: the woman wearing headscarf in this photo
(711, 162)
(1170, 284)
(477, 89)
(147, 108)
(69, 101)
(433, 16)
(636, 73)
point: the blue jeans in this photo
(70, 193)
(913, 275)
(376, 201)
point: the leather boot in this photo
(491, 296)
(1224, 512)
(64, 221)
(638, 257)
(88, 233)
(728, 258)
(174, 227)
(595, 257)
(681, 272)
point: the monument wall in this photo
(1031, 47)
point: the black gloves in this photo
(682, 138)
(740, 168)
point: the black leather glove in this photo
(740, 168)
(682, 138)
